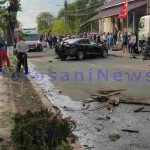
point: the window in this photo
(31, 37)
(83, 42)
(92, 42)
(142, 23)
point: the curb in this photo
(46, 102)
(11, 98)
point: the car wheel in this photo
(63, 57)
(80, 55)
(40, 48)
(144, 48)
(105, 54)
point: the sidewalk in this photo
(7, 107)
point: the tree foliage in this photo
(79, 12)
(44, 21)
(9, 18)
(58, 27)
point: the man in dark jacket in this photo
(54, 41)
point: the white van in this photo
(32, 39)
(144, 34)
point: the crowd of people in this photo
(117, 40)
(123, 40)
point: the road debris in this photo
(138, 110)
(148, 119)
(60, 92)
(98, 129)
(110, 104)
(137, 102)
(141, 110)
(115, 136)
(131, 131)
(110, 91)
(107, 99)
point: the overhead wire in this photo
(82, 8)
(76, 15)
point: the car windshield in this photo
(92, 42)
(71, 41)
(32, 37)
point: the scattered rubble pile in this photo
(112, 98)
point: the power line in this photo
(83, 8)
(76, 15)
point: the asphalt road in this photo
(80, 79)
(94, 128)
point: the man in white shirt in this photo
(22, 49)
(132, 43)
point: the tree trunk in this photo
(10, 32)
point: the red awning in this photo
(112, 11)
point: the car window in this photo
(92, 42)
(83, 42)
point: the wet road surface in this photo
(73, 92)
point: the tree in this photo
(58, 27)
(8, 20)
(44, 21)
(1, 32)
(79, 12)
(11, 16)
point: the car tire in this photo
(105, 54)
(63, 57)
(80, 55)
(39, 48)
(144, 48)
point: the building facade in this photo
(108, 14)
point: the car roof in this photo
(74, 40)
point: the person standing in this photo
(22, 49)
(125, 42)
(110, 41)
(54, 41)
(121, 39)
(3, 54)
(50, 41)
(104, 37)
(94, 37)
(98, 39)
(115, 38)
(132, 43)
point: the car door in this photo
(83, 45)
(93, 47)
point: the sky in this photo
(31, 8)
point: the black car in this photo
(80, 48)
